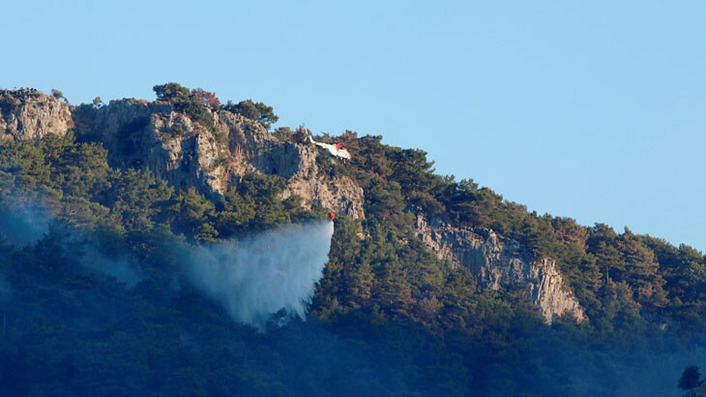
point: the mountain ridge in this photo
(426, 274)
(186, 154)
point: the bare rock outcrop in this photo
(551, 293)
(185, 153)
(497, 262)
(340, 194)
(28, 114)
(151, 135)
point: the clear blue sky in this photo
(591, 110)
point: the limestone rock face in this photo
(552, 295)
(497, 262)
(29, 114)
(340, 194)
(151, 135)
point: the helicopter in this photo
(335, 150)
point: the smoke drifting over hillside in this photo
(256, 277)
(21, 221)
(252, 278)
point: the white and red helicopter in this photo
(335, 150)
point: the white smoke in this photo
(256, 277)
(119, 268)
(22, 220)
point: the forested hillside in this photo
(95, 301)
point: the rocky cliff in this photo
(155, 137)
(29, 114)
(497, 262)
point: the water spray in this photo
(256, 277)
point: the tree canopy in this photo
(257, 111)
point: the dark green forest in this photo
(387, 319)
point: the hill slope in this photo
(432, 285)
